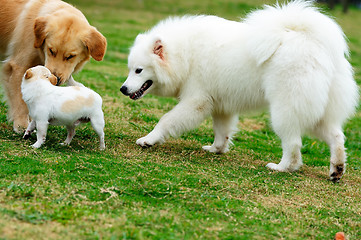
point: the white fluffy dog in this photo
(291, 59)
(69, 106)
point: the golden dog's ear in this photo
(158, 49)
(53, 80)
(28, 74)
(39, 31)
(96, 43)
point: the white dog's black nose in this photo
(124, 90)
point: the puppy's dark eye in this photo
(138, 70)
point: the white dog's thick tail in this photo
(273, 25)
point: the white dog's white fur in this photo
(69, 106)
(290, 58)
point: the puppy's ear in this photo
(53, 80)
(39, 31)
(96, 44)
(158, 49)
(28, 74)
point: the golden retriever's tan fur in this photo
(46, 32)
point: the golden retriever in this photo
(43, 32)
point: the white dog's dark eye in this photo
(138, 70)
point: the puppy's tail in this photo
(298, 21)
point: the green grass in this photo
(175, 190)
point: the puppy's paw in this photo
(102, 147)
(337, 171)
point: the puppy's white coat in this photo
(291, 59)
(69, 106)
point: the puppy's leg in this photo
(223, 126)
(71, 134)
(18, 111)
(186, 115)
(335, 138)
(98, 124)
(41, 127)
(30, 129)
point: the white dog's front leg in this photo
(41, 128)
(154, 137)
(187, 115)
(223, 126)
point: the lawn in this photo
(175, 190)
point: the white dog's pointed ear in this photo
(158, 49)
(28, 74)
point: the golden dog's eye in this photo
(52, 52)
(138, 70)
(69, 57)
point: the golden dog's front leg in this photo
(18, 111)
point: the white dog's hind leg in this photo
(335, 138)
(186, 115)
(41, 127)
(224, 127)
(291, 158)
(286, 124)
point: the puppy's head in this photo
(39, 73)
(146, 62)
(67, 41)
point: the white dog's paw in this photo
(276, 167)
(150, 140)
(284, 168)
(145, 142)
(337, 171)
(214, 149)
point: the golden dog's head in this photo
(67, 41)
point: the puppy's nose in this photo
(124, 90)
(58, 81)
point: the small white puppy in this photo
(69, 106)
